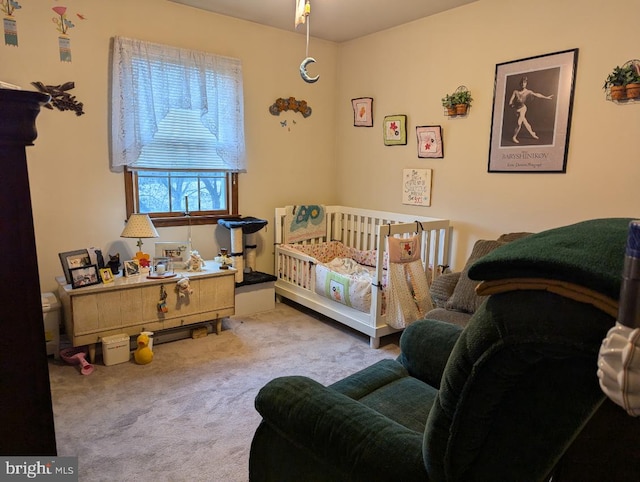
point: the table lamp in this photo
(140, 226)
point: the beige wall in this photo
(79, 202)
(408, 70)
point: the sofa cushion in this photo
(464, 296)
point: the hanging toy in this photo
(302, 16)
(162, 304)
(184, 288)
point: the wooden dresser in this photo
(130, 305)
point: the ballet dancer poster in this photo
(531, 119)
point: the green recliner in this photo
(501, 400)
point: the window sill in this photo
(195, 220)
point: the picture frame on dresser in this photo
(106, 275)
(85, 276)
(73, 259)
(131, 268)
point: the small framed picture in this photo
(73, 259)
(106, 275)
(395, 130)
(362, 111)
(430, 141)
(131, 268)
(84, 276)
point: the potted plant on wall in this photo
(462, 100)
(617, 82)
(448, 102)
(633, 86)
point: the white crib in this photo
(361, 229)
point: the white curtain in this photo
(149, 80)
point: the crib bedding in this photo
(342, 274)
(312, 265)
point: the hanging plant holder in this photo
(622, 85)
(458, 103)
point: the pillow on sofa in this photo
(464, 296)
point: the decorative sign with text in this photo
(416, 187)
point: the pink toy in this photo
(76, 356)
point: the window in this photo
(177, 131)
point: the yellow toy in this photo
(143, 353)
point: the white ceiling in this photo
(335, 20)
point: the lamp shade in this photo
(139, 226)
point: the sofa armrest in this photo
(425, 348)
(354, 439)
(442, 288)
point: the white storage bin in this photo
(51, 319)
(115, 349)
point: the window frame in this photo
(195, 218)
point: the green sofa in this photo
(501, 400)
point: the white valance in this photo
(151, 82)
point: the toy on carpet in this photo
(143, 353)
(76, 356)
(195, 263)
(184, 288)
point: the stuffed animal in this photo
(143, 353)
(184, 288)
(195, 263)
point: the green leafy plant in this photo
(635, 73)
(448, 101)
(620, 76)
(462, 97)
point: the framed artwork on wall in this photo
(416, 187)
(395, 130)
(430, 141)
(531, 119)
(362, 111)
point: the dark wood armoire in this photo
(26, 414)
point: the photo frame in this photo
(362, 111)
(531, 119)
(430, 141)
(106, 275)
(395, 130)
(73, 259)
(176, 251)
(85, 276)
(416, 186)
(131, 268)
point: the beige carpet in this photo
(189, 415)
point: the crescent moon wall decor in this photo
(303, 16)
(303, 71)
